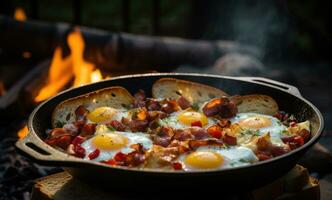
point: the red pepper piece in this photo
(119, 157)
(79, 151)
(197, 123)
(177, 166)
(109, 162)
(94, 154)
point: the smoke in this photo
(259, 23)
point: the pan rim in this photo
(152, 170)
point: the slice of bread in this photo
(195, 93)
(256, 103)
(116, 97)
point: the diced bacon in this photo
(199, 133)
(117, 125)
(138, 125)
(60, 141)
(183, 103)
(277, 151)
(139, 99)
(194, 144)
(81, 113)
(88, 129)
(223, 107)
(153, 105)
(305, 134)
(78, 140)
(163, 141)
(177, 166)
(182, 135)
(169, 106)
(94, 154)
(230, 140)
(215, 131)
(263, 155)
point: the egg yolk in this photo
(101, 114)
(110, 141)
(204, 160)
(255, 122)
(189, 117)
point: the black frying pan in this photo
(248, 177)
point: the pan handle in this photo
(284, 86)
(38, 150)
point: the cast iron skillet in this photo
(288, 98)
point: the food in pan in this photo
(183, 126)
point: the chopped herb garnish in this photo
(251, 132)
(195, 106)
(111, 128)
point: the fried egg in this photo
(106, 114)
(212, 157)
(185, 119)
(259, 123)
(112, 142)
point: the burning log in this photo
(115, 51)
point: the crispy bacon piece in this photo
(81, 113)
(131, 159)
(305, 134)
(277, 151)
(117, 125)
(163, 136)
(177, 166)
(224, 123)
(261, 155)
(78, 140)
(182, 135)
(60, 141)
(199, 133)
(156, 114)
(230, 140)
(194, 144)
(138, 125)
(223, 107)
(169, 106)
(152, 105)
(215, 131)
(88, 130)
(183, 103)
(59, 137)
(139, 99)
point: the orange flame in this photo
(19, 14)
(22, 132)
(60, 73)
(62, 70)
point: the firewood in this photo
(115, 51)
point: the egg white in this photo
(173, 122)
(275, 129)
(233, 157)
(133, 138)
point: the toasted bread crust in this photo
(117, 97)
(193, 92)
(256, 103)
